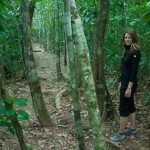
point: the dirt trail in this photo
(60, 137)
(46, 67)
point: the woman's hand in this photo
(128, 93)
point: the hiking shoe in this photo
(129, 131)
(117, 138)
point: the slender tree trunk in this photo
(39, 34)
(48, 39)
(98, 65)
(33, 80)
(4, 96)
(65, 35)
(53, 33)
(57, 45)
(73, 76)
(65, 50)
(1, 76)
(31, 11)
(87, 78)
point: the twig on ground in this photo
(58, 98)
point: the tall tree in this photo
(73, 76)
(103, 97)
(31, 10)
(87, 78)
(33, 80)
(57, 40)
(121, 24)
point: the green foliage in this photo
(6, 113)
(10, 38)
(43, 24)
(129, 15)
(35, 1)
(21, 102)
(2, 31)
(147, 95)
(133, 14)
(30, 148)
(12, 59)
(144, 67)
(2, 21)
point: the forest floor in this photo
(63, 135)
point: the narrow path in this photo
(60, 137)
(46, 67)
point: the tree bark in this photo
(1, 75)
(57, 40)
(73, 76)
(87, 78)
(33, 80)
(104, 101)
(31, 11)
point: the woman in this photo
(128, 85)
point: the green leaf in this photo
(2, 109)
(2, 20)
(35, 1)
(11, 130)
(21, 118)
(11, 99)
(1, 119)
(10, 112)
(146, 17)
(30, 148)
(21, 102)
(24, 114)
(98, 148)
(2, 33)
(1, 2)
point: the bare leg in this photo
(123, 123)
(132, 120)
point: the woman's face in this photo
(127, 39)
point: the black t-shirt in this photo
(130, 64)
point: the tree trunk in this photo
(33, 80)
(65, 50)
(65, 36)
(31, 11)
(57, 44)
(105, 104)
(87, 78)
(1, 75)
(73, 76)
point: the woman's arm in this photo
(130, 85)
(135, 59)
(136, 56)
